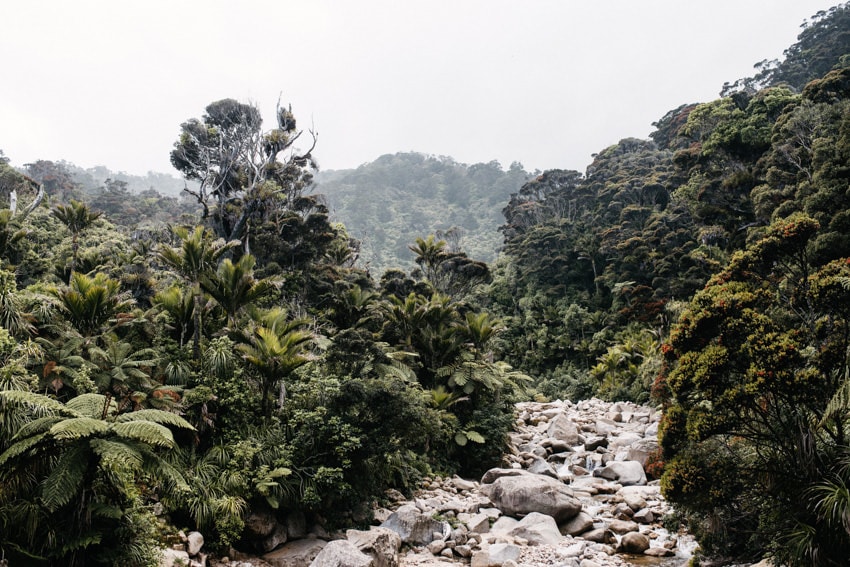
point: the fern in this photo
(21, 447)
(78, 427)
(91, 405)
(145, 431)
(156, 416)
(36, 402)
(40, 425)
(117, 451)
(64, 482)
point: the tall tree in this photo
(76, 217)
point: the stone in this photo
(274, 540)
(194, 542)
(260, 523)
(633, 542)
(635, 502)
(173, 558)
(296, 525)
(539, 466)
(605, 426)
(598, 535)
(436, 546)
(622, 526)
(478, 523)
(520, 495)
(502, 552)
(382, 544)
(578, 525)
(593, 443)
(462, 484)
(644, 516)
(661, 552)
(447, 553)
(641, 450)
(563, 429)
(491, 475)
(341, 553)
(503, 525)
(537, 529)
(412, 525)
(295, 553)
(625, 472)
(464, 550)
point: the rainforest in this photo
(260, 336)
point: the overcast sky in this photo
(546, 83)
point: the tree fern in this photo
(145, 431)
(91, 405)
(78, 428)
(64, 482)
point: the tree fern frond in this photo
(78, 427)
(21, 447)
(116, 450)
(36, 402)
(63, 483)
(40, 425)
(91, 405)
(839, 403)
(145, 431)
(156, 416)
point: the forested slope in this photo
(389, 202)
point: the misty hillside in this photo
(389, 202)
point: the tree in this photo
(237, 166)
(233, 286)
(70, 479)
(196, 257)
(275, 346)
(76, 217)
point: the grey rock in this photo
(503, 525)
(341, 553)
(622, 526)
(382, 544)
(598, 535)
(641, 450)
(539, 466)
(660, 552)
(491, 475)
(563, 429)
(520, 495)
(173, 557)
(625, 472)
(500, 553)
(274, 540)
(295, 553)
(578, 525)
(537, 529)
(260, 523)
(412, 525)
(296, 525)
(633, 542)
(645, 516)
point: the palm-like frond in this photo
(155, 416)
(78, 428)
(145, 431)
(64, 482)
(92, 405)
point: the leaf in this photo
(78, 428)
(460, 438)
(42, 403)
(21, 447)
(156, 416)
(91, 405)
(64, 482)
(145, 431)
(475, 437)
(116, 450)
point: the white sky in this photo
(546, 83)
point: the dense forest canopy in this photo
(238, 350)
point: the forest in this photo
(253, 342)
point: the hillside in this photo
(388, 203)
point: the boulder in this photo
(381, 543)
(341, 553)
(622, 526)
(412, 525)
(641, 450)
(537, 529)
(625, 472)
(173, 558)
(644, 516)
(296, 525)
(578, 525)
(194, 543)
(496, 555)
(260, 523)
(491, 475)
(521, 495)
(295, 553)
(540, 466)
(563, 429)
(633, 542)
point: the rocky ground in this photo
(572, 492)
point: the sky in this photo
(547, 83)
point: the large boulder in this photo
(341, 553)
(381, 543)
(578, 525)
(537, 529)
(173, 558)
(633, 542)
(412, 525)
(625, 472)
(563, 429)
(296, 553)
(524, 494)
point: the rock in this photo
(539, 466)
(462, 484)
(625, 472)
(436, 546)
(412, 525)
(635, 502)
(274, 539)
(622, 526)
(605, 426)
(500, 553)
(537, 529)
(503, 525)
(491, 475)
(447, 553)
(589, 563)
(381, 543)
(173, 558)
(520, 495)
(295, 553)
(194, 542)
(599, 535)
(641, 450)
(662, 552)
(478, 523)
(633, 542)
(464, 550)
(341, 553)
(578, 525)
(260, 523)
(645, 516)
(563, 429)
(296, 525)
